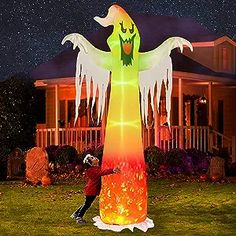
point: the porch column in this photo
(56, 115)
(156, 124)
(66, 113)
(210, 103)
(210, 115)
(180, 113)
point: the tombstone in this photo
(217, 167)
(36, 165)
(16, 164)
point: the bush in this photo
(200, 160)
(51, 151)
(188, 165)
(175, 160)
(66, 155)
(154, 157)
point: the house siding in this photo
(228, 96)
(203, 55)
(68, 93)
(219, 57)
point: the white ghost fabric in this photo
(87, 70)
(156, 68)
(143, 226)
(148, 79)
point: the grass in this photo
(177, 208)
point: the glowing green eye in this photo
(122, 28)
(132, 29)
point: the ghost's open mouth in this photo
(127, 47)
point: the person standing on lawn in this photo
(93, 187)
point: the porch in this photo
(199, 137)
(198, 103)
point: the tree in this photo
(17, 112)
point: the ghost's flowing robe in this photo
(123, 199)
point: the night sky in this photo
(32, 30)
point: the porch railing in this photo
(178, 137)
(219, 141)
(199, 137)
(80, 138)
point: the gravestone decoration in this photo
(217, 167)
(16, 164)
(36, 165)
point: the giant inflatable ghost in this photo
(123, 199)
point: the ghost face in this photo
(124, 40)
(126, 37)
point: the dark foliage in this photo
(175, 157)
(200, 160)
(232, 169)
(17, 116)
(154, 157)
(66, 155)
(51, 151)
(17, 112)
(4, 152)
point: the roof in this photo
(62, 65)
(153, 31)
(185, 64)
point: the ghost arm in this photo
(155, 67)
(151, 58)
(92, 65)
(99, 57)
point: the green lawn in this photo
(177, 208)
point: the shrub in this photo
(180, 161)
(51, 151)
(188, 165)
(200, 160)
(66, 155)
(175, 157)
(154, 157)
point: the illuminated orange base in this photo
(123, 198)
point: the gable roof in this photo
(185, 64)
